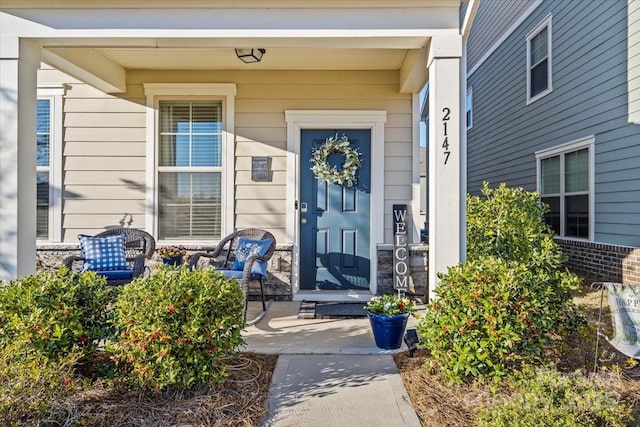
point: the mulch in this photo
(239, 402)
(440, 403)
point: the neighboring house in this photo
(146, 117)
(554, 106)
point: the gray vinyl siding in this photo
(486, 30)
(633, 56)
(589, 98)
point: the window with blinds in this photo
(539, 61)
(190, 170)
(43, 167)
(564, 186)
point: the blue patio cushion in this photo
(104, 253)
(117, 274)
(248, 247)
(237, 274)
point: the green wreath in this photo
(322, 169)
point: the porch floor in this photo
(329, 371)
(281, 332)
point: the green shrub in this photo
(31, 382)
(497, 309)
(508, 223)
(175, 326)
(492, 314)
(549, 398)
(56, 312)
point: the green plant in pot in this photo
(388, 315)
(172, 255)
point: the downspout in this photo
(465, 28)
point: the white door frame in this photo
(297, 120)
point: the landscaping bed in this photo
(443, 404)
(239, 402)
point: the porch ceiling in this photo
(99, 41)
(104, 65)
(278, 58)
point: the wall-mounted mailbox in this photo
(261, 169)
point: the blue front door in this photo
(334, 219)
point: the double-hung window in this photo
(190, 170)
(43, 167)
(191, 160)
(48, 163)
(565, 183)
(539, 61)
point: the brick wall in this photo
(604, 262)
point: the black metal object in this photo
(411, 340)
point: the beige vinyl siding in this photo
(262, 97)
(104, 161)
(105, 142)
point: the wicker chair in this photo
(140, 245)
(223, 256)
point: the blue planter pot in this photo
(172, 260)
(388, 330)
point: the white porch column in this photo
(446, 158)
(19, 62)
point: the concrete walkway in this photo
(329, 372)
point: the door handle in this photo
(303, 220)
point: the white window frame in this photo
(54, 94)
(561, 150)
(546, 23)
(155, 92)
(469, 108)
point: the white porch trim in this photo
(447, 158)
(329, 119)
(19, 62)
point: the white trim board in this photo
(54, 93)
(297, 120)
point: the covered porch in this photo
(325, 65)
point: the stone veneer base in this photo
(278, 283)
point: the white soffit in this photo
(274, 58)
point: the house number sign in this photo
(400, 249)
(445, 143)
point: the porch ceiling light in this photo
(250, 55)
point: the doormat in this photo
(331, 310)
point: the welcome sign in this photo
(400, 249)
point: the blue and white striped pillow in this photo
(104, 253)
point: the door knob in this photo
(303, 220)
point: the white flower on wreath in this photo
(321, 168)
